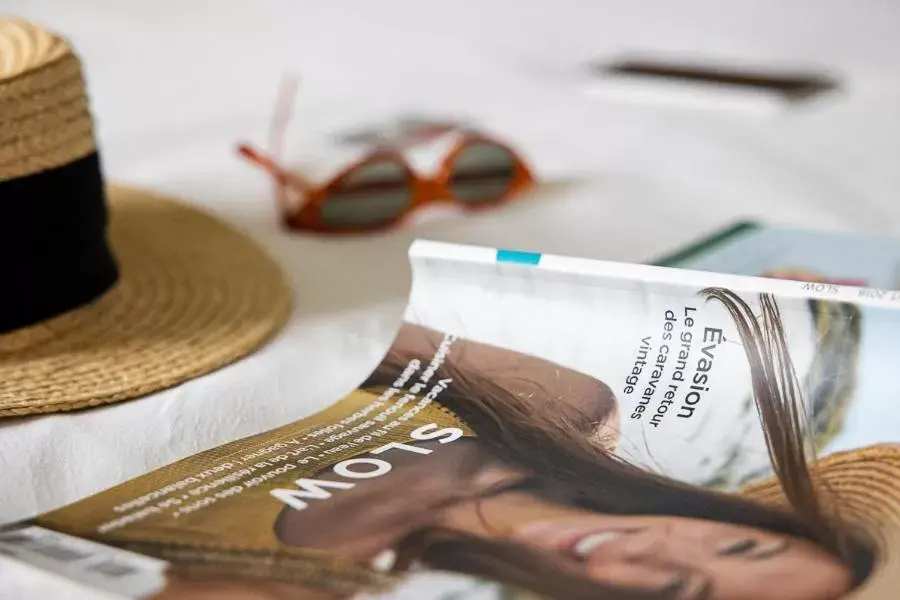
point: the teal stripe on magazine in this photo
(518, 256)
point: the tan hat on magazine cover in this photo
(106, 292)
(863, 485)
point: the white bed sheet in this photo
(176, 82)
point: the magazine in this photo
(528, 429)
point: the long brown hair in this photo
(571, 469)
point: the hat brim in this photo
(193, 295)
(863, 485)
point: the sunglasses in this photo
(382, 189)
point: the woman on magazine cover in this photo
(538, 502)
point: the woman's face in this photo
(691, 558)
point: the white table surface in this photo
(176, 82)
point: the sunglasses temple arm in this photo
(282, 177)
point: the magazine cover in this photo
(541, 427)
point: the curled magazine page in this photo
(541, 427)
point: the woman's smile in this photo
(586, 544)
(582, 539)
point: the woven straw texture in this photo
(45, 120)
(193, 294)
(864, 485)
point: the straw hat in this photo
(105, 296)
(864, 486)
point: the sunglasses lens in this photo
(482, 172)
(371, 195)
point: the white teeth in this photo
(593, 540)
(383, 561)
